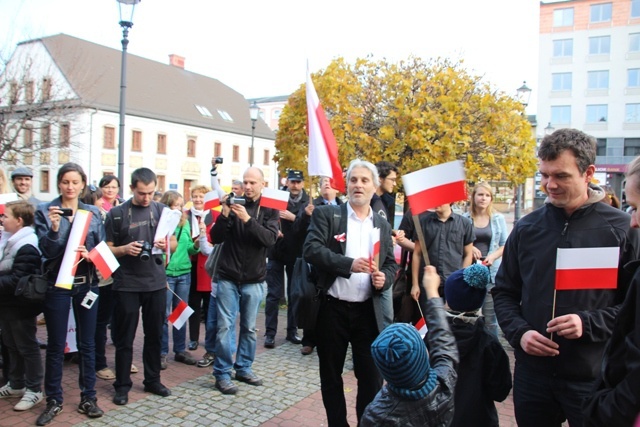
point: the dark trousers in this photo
(199, 303)
(56, 311)
(544, 400)
(309, 338)
(25, 362)
(275, 292)
(105, 310)
(341, 323)
(125, 324)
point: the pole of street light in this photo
(254, 113)
(523, 94)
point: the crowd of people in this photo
(472, 282)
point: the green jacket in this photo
(180, 262)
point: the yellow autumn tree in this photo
(415, 114)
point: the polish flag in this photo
(274, 199)
(421, 326)
(587, 268)
(323, 148)
(180, 314)
(104, 260)
(374, 248)
(211, 200)
(435, 186)
(6, 198)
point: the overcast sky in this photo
(260, 48)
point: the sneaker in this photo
(251, 379)
(7, 391)
(207, 360)
(185, 357)
(226, 387)
(163, 362)
(53, 409)
(29, 400)
(90, 407)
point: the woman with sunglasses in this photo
(53, 227)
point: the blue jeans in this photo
(235, 298)
(180, 285)
(56, 311)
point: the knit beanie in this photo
(403, 361)
(465, 289)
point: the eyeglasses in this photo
(110, 187)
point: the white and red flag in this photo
(323, 148)
(180, 315)
(374, 248)
(274, 199)
(211, 200)
(421, 326)
(71, 257)
(435, 186)
(587, 268)
(104, 260)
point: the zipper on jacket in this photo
(564, 230)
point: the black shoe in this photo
(294, 339)
(226, 387)
(250, 379)
(193, 345)
(121, 398)
(158, 389)
(269, 342)
(53, 408)
(42, 344)
(90, 407)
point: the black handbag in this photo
(32, 287)
(211, 265)
(305, 297)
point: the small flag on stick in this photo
(274, 199)
(180, 314)
(587, 268)
(104, 260)
(435, 186)
(421, 326)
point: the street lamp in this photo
(549, 129)
(126, 8)
(523, 94)
(254, 113)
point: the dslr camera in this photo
(233, 200)
(145, 253)
(218, 160)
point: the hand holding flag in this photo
(104, 260)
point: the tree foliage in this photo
(415, 114)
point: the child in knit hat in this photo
(484, 376)
(420, 381)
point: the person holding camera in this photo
(247, 230)
(53, 227)
(139, 283)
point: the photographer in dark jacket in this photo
(559, 342)
(247, 231)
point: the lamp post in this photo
(126, 8)
(254, 113)
(523, 94)
(549, 129)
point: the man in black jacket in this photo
(247, 231)
(282, 257)
(559, 337)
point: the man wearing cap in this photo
(282, 256)
(21, 180)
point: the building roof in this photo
(154, 90)
(267, 99)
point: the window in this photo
(225, 116)
(236, 154)
(27, 133)
(161, 182)
(563, 47)
(632, 147)
(44, 181)
(191, 147)
(45, 135)
(162, 144)
(635, 8)
(136, 140)
(563, 17)
(276, 114)
(600, 13)
(46, 89)
(204, 111)
(561, 81)
(561, 114)
(601, 147)
(266, 157)
(598, 79)
(597, 113)
(217, 149)
(632, 113)
(14, 92)
(600, 45)
(634, 42)
(108, 137)
(65, 135)
(633, 77)
(29, 91)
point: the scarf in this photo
(11, 244)
(195, 223)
